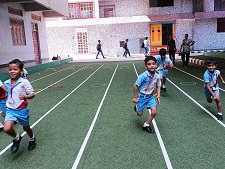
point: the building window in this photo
(161, 3)
(220, 24)
(80, 10)
(18, 33)
(219, 5)
(82, 42)
(107, 11)
(198, 5)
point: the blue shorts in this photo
(145, 101)
(208, 94)
(163, 73)
(3, 105)
(20, 115)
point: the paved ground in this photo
(91, 58)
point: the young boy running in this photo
(144, 90)
(3, 91)
(19, 90)
(211, 86)
(164, 63)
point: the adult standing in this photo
(126, 50)
(186, 43)
(146, 46)
(171, 47)
(99, 49)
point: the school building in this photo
(36, 30)
(23, 29)
(113, 21)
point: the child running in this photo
(3, 91)
(144, 90)
(164, 63)
(211, 86)
(19, 90)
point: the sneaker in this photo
(148, 129)
(15, 122)
(32, 145)
(135, 108)
(220, 117)
(15, 146)
(164, 89)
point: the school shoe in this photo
(32, 145)
(148, 129)
(164, 89)
(16, 145)
(135, 108)
(220, 117)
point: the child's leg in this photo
(8, 128)
(29, 131)
(152, 115)
(32, 140)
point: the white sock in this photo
(220, 113)
(17, 137)
(145, 124)
(163, 86)
(32, 138)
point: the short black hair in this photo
(211, 61)
(162, 51)
(18, 62)
(147, 58)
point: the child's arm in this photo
(221, 78)
(158, 95)
(24, 97)
(135, 99)
(3, 87)
(210, 90)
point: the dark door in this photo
(166, 31)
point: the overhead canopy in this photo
(100, 21)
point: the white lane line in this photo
(61, 80)
(194, 76)
(92, 125)
(162, 146)
(209, 113)
(51, 74)
(42, 117)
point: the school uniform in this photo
(163, 65)
(211, 78)
(17, 110)
(147, 83)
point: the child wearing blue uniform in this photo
(19, 90)
(164, 63)
(211, 86)
(144, 88)
(24, 74)
(3, 91)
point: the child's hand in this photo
(22, 97)
(158, 100)
(135, 100)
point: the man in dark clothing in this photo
(171, 47)
(126, 49)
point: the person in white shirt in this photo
(146, 46)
